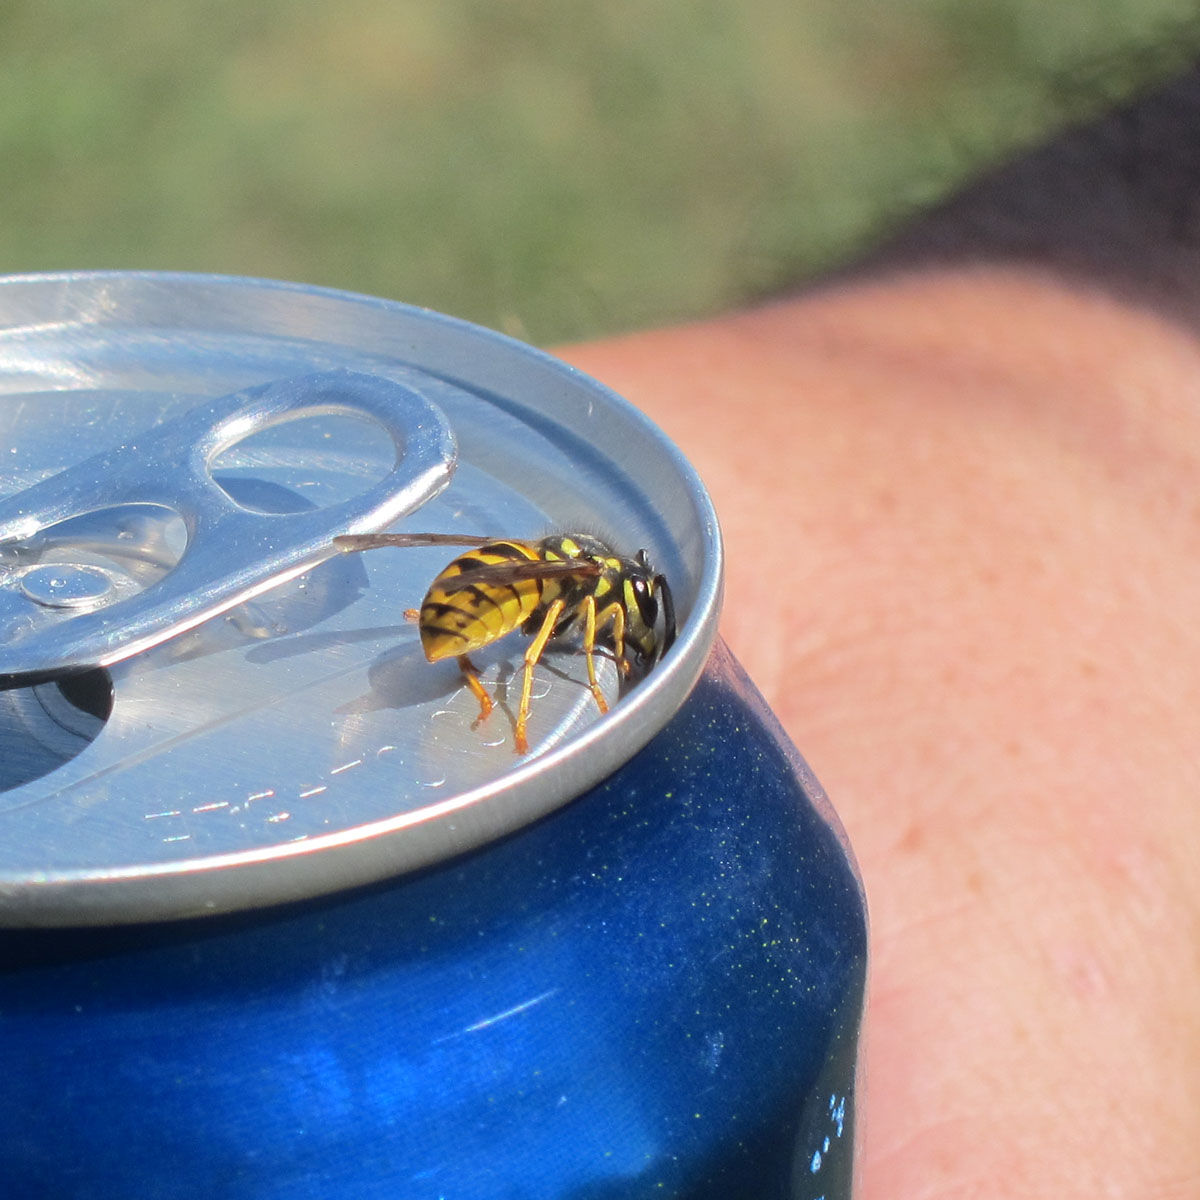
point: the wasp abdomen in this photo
(458, 616)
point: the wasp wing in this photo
(371, 541)
(504, 573)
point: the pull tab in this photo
(55, 619)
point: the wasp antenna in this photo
(668, 603)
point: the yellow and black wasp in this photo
(545, 588)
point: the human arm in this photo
(960, 488)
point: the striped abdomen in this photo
(459, 615)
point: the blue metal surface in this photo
(655, 991)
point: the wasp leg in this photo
(618, 623)
(589, 650)
(623, 664)
(412, 614)
(471, 676)
(532, 654)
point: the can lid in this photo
(205, 706)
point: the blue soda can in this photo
(284, 913)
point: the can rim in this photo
(364, 853)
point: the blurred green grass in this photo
(553, 169)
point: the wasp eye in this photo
(647, 605)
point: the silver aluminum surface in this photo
(88, 606)
(298, 742)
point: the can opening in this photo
(46, 725)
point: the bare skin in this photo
(978, 493)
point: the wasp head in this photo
(643, 591)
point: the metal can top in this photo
(206, 706)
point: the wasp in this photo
(546, 588)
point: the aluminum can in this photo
(282, 916)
